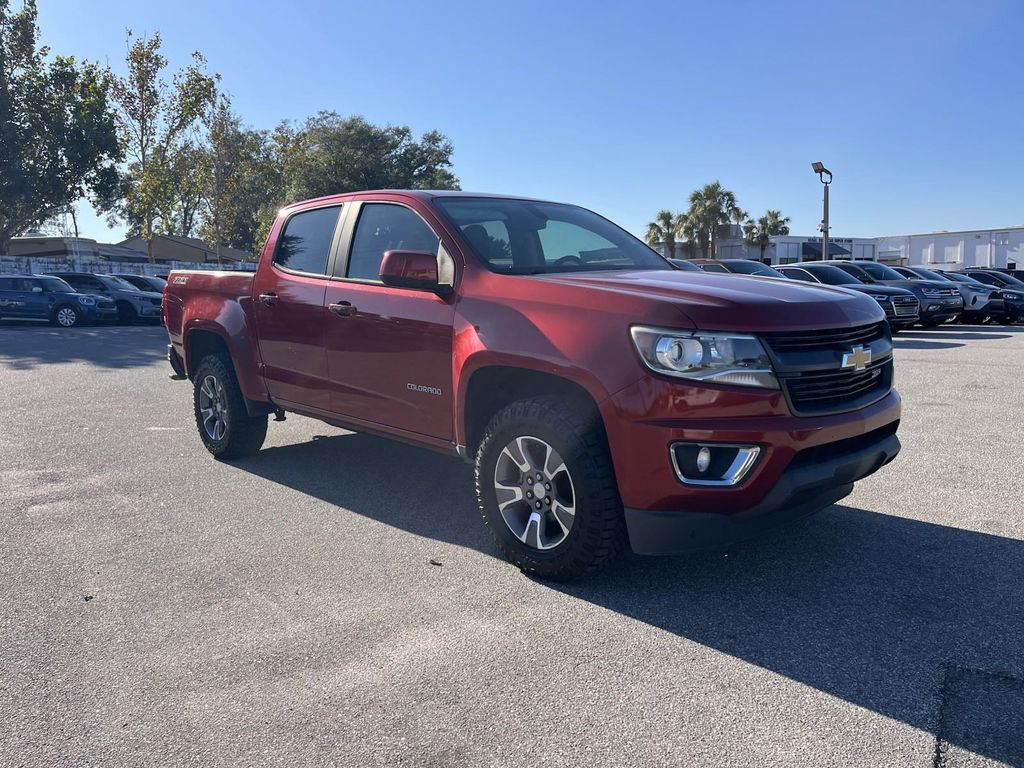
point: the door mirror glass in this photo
(410, 269)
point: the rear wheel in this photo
(66, 316)
(226, 428)
(546, 489)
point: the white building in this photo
(996, 248)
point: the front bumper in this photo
(643, 420)
(939, 309)
(1013, 310)
(814, 480)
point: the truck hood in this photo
(713, 301)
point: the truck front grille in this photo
(814, 393)
(809, 365)
(906, 306)
(799, 341)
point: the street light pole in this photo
(822, 172)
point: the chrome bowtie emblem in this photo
(857, 358)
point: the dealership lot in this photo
(335, 600)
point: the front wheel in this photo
(66, 316)
(226, 428)
(546, 489)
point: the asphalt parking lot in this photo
(160, 608)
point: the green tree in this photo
(242, 181)
(157, 122)
(760, 232)
(330, 154)
(58, 141)
(711, 206)
(664, 229)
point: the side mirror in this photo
(411, 269)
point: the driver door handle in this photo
(342, 309)
(270, 299)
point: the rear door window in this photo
(305, 243)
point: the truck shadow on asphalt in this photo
(27, 345)
(881, 611)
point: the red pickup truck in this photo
(605, 397)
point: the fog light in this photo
(712, 464)
(703, 459)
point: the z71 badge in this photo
(180, 279)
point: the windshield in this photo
(1010, 280)
(858, 274)
(54, 285)
(830, 275)
(959, 278)
(880, 271)
(744, 267)
(525, 237)
(927, 274)
(116, 283)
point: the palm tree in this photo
(759, 232)
(711, 206)
(664, 229)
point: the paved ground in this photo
(159, 608)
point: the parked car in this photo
(900, 306)
(738, 267)
(132, 304)
(940, 302)
(981, 302)
(144, 282)
(685, 265)
(1011, 287)
(38, 297)
(556, 351)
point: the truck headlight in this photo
(723, 358)
(86, 301)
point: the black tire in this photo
(598, 532)
(65, 316)
(126, 314)
(240, 434)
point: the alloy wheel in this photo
(213, 405)
(535, 492)
(66, 317)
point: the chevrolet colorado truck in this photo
(605, 397)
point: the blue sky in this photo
(917, 107)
